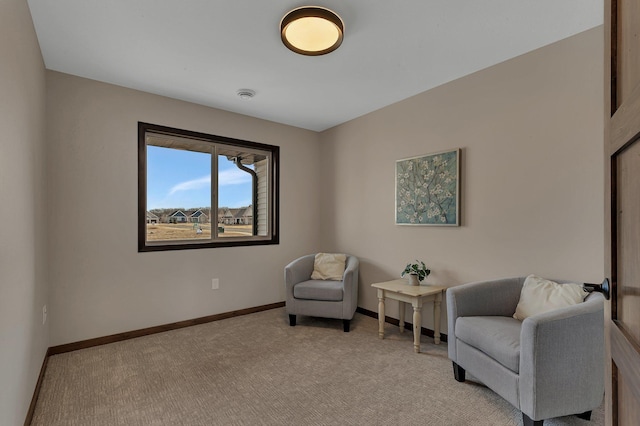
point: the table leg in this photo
(436, 318)
(417, 328)
(401, 316)
(381, 316)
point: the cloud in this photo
(233, 177)
(226, 177)
(189, 185)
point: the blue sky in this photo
(177, 178)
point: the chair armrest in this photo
(298, 271)
(562, 353)
(350, 283)
(483, 298)
(350, 275)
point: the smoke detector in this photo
(246, 94)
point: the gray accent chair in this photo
(549, 365)
(321, 298)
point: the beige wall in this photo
(530, 130)
(100, 284)
(23, 287)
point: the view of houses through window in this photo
(184, 175)
(181, 223)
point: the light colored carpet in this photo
(257, 370)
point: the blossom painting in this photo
(428, 189)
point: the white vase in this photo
(413, 279)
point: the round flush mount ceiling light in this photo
(246, 94)
(312, 30)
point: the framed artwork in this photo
(428, 189)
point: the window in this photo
(197, 190)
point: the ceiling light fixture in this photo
(246, 94)
(312, 30)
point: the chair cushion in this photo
(328, 266)
(319, 290)
(498, 337)
(539, 295)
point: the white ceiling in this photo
(203, 51)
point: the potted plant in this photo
(417, 272)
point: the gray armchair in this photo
(549, 365)
(321, 298)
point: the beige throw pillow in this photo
(540, 295)
(328, 266)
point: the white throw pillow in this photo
(328, 266)
(539, 295)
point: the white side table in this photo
(401, 291)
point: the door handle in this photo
(603, 288)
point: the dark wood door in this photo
(622, 29)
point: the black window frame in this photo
(273, 217)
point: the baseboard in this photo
(408, 326)
(69, 347)
(36, 392)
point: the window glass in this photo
(235, 198)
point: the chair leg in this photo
(458, 372)
(584, 416)
(292, 320)
(526, 421)
(345, 325)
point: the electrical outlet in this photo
(44, 314)
(215, 283)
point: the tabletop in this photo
(403, 287)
